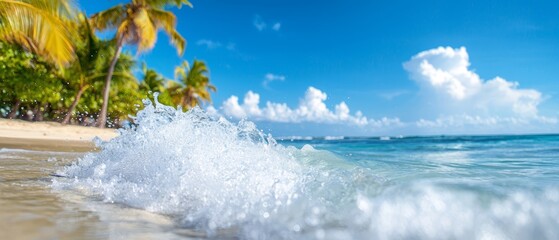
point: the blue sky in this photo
(292, 53)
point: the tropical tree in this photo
(84, 69)
(192, 85)
(152, 82)
(26, 82)
(90, 64)
(136, 23)
(125, 93)
(40, 26)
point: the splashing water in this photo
(211, 174)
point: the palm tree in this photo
(40, 26)
(124, 88)
(91, 59)
(193, 85)
(152, 81)
(137, 23)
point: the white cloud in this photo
(444, 73)
(475, 124)
(208, 43)
(258, 23)
(270, 77)
(458, 101)
(477, 121)
(276, 27)
(261, 25)
(274, 77)
(311, 108)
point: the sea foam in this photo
(211, 174)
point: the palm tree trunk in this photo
(13, 112)
(39, 113)
(30, 113)
(102, 119)
(189, 99)
(182, 102)
(73, 106)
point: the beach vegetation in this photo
(192, 86)
(153, 82)
(42, 27)
(136, 23)
(29, 84)
(54, 67)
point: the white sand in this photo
(18, 129)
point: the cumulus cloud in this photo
(276, 27)
(444, 73)
(258, 23)
(463, 100)
(459, 101)
(270, 77)
(311, 108)
(261, 25)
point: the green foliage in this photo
(87, 74)
(193, 85)
(63, 78)
(138, 21)
(27, 78)
(40, 26)
(152, 83)
(125, 94)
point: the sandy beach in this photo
(50, 135)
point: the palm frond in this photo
(162, 3)
(62, 8)
(180, 71)
(195, 86)
(146, 31)
(163, 19)
(212, 87)
(178, 41)
(110, 18)
(38, 26)
(168, 21)
(123, 31)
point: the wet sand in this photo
(30, 155)
(46, 144)
(31, 209)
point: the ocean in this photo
(205, 176)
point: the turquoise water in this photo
(465, 187)
(494, 162)
(216, 176)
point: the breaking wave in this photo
(211, 174)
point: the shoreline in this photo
(50, 135)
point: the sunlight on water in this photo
(211, 174)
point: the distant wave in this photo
(330, 138)
(295, 138)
